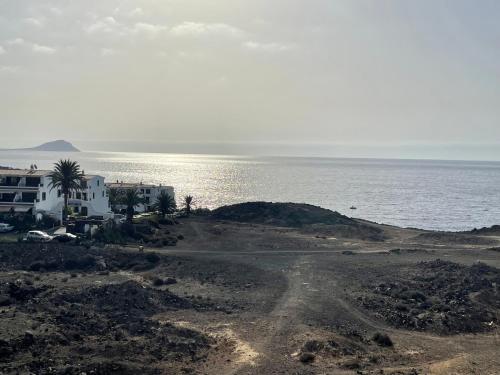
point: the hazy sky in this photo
(343, 72)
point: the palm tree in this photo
(115, 197)
(131, 199)
(188, 202)
(165, 203)
(67, 177)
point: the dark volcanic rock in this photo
(102, 324)
(486, 231)
(382, 339)
(280, 214)
(126, 298)
(54, 256)
(307, 357)
(456, 238)
(115, 319)
(6, 349)
(438, 296)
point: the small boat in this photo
(353, 208)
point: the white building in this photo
(148, 192)
(26, 190)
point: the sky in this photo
(352, 77)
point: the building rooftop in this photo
(131, 185)
(24, 172)
(33, 173)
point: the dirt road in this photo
(318, 305)
(253, 299)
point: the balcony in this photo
(75, 202)
(7, 188)
(20, 203)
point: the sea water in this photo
(438, 195)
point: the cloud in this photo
(56, 11)
(110, 26)
(267, 47)
(2, 50)
(149, 29)
(106, 52)
(6, 69)
(137, 12)
(16, 42)
(33, 22)
(191, 55)
(134, 13)
(107, 25)
(45, 50)
(196, 29)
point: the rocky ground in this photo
(238, 297)
(437, 296)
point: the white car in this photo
(38, 236)
(119, 218)
(4, 228)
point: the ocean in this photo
(427, 194)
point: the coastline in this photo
(392, 193)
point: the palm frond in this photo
(165, 203)
(66, 176)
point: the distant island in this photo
(59, 145)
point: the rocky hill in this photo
(280, 214)
(310, 219)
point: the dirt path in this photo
(285, 320)
(313, 301)
(260, 294)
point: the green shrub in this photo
(46, 222)
(110, 235)
(201, 212)
(20, 222)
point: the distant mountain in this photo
(59, 145)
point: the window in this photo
(97, 182)
(58, 193)
(103, 193)
(84, 196)
(93, 195)
(147, 199)
(142, 191)
(148, 191)
(44, 196)
(78, 195)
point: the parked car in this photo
(119, 218)
(4, 228)
(65, 237)
(38, 236)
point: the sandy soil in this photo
(254, 299)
